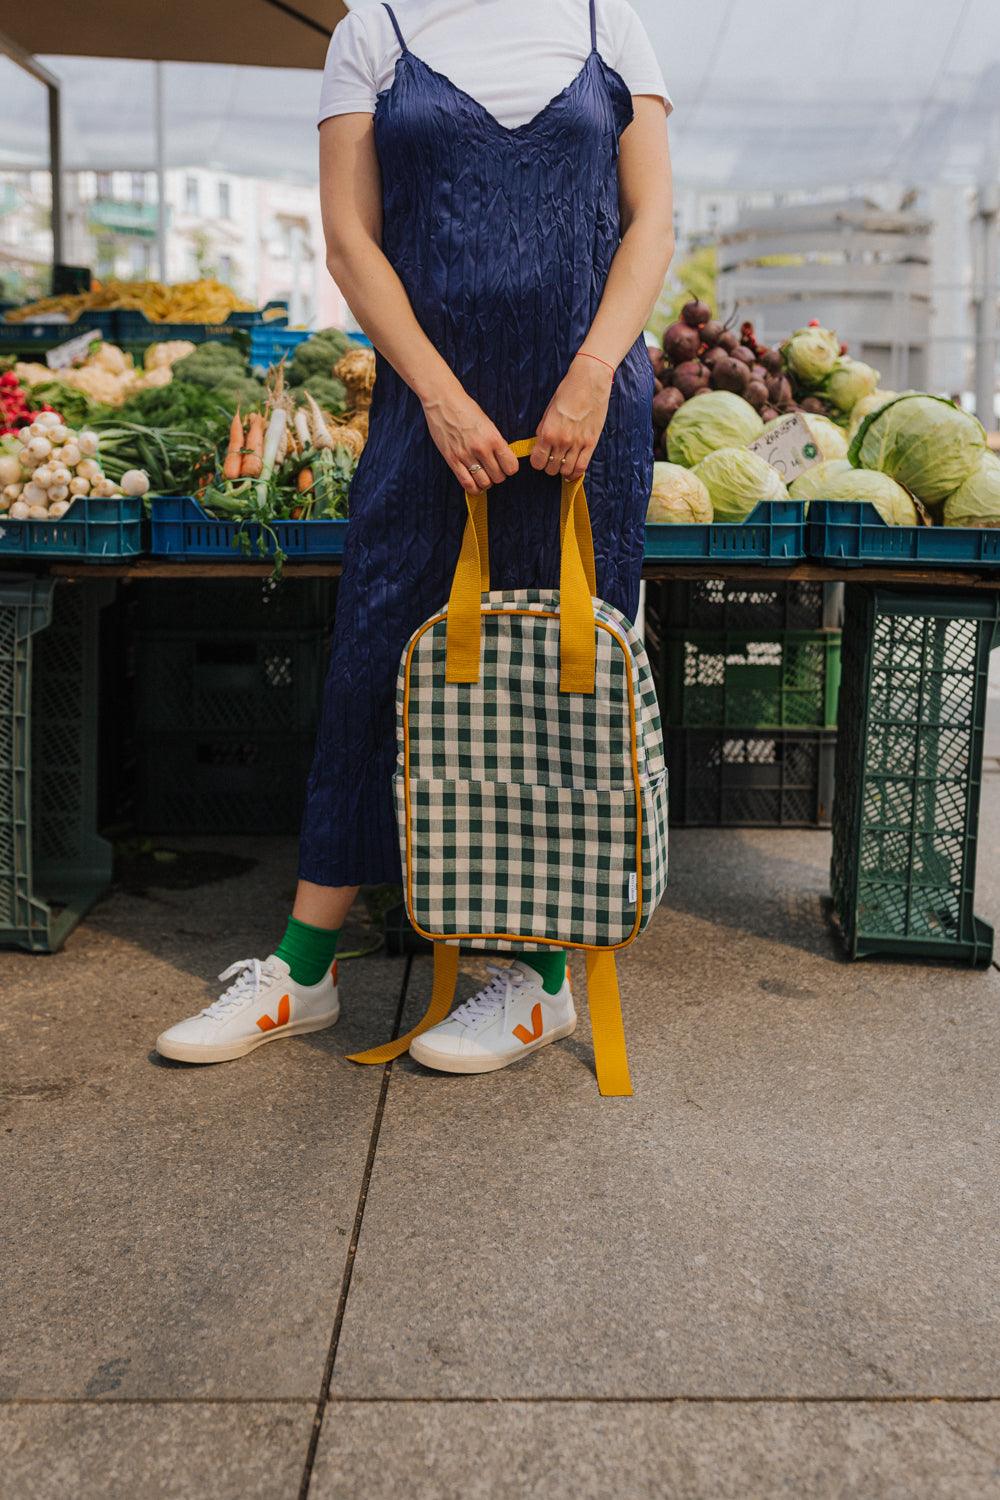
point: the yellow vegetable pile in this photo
(204, 301)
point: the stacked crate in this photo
(228, 684)
(748, 676)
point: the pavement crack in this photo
(352, 1250)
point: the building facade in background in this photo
(262, 238)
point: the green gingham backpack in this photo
(531, 784)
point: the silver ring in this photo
(474, 467)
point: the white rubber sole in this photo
(190, 1052)
(445, 1062)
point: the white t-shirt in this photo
(513, 56)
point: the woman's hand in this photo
(574, 420)
(471, 445)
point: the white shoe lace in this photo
(491, 998)
(251, 977)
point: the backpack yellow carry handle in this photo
(577, 587)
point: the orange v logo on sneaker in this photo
(284, 1011)
(523, 1034)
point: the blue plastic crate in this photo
(37, 337)
(773, 535)
(269, 345)
(180, 528)
(101, 530)
(852, 532)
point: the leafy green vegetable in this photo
(328, 391)
(678, 497)
(737, 480)
(926, 443)
(172, 457)
(179, 404)
(977, 501)
(75, 407)
(318, 355)
(814, 483)
(714, 419)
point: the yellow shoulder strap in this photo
(442, 998)
(607, 1027)
(577, 588)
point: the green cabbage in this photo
(925, 442)
(811, 353)
(850, 382)
(710, 420)
(737, 480)
(866, 406)
(678, 496)
(815, 483)
(891, 501)
(827, 436)
(977, 501)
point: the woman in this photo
(495, 182)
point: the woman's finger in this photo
(577, 460)
(483, 454)
(471, 482)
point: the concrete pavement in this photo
(771, 1272)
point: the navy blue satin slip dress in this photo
(503, 238)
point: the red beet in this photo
(758, 372)
(731, 375)
(744, 355)
(756, 394)
(772, 361)
(712, 356)
(696, 313)
(813, 404)
(681, 342)
(665, 403)
(769, 413)
(712, 332)
(690, 378)
(656, 359)
(780, 390)
(729, 341)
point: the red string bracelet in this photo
(584, 354)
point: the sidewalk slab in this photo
(177, 1231)
(649, 1450)
(118, 1450)
(800, 1200)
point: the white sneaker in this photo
(263, 1004)
(510, 1017)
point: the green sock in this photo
(551, 965)
(308, 951)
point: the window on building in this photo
(191, 197)
(139, 259)
(226, 269)
(104, 185)
(138, 187)
(225, 201)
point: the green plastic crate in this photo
(53, 864)
(751, 778)
(229, 680)
(222, 781)
(750, 679)
(909, 773)
(735, 604)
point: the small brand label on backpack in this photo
(633, 888)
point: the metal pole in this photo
(159, 132)
(987, 208)
(31, 65)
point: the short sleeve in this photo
(349, 82)
(632, 55)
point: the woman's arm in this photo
(351, 197)
(575, 417)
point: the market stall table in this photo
(909, 765)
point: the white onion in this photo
(79, 486)
(38, 513)
(88, 443)
(39, 447)
(10, 469)
(70, 455)
(19, 511)
(58, 509)
(134, 482)
(58, 492)
(33, 494)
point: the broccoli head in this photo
(317, 356)
(329, 392)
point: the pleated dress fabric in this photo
(503, 238)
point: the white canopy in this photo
(770, 94)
